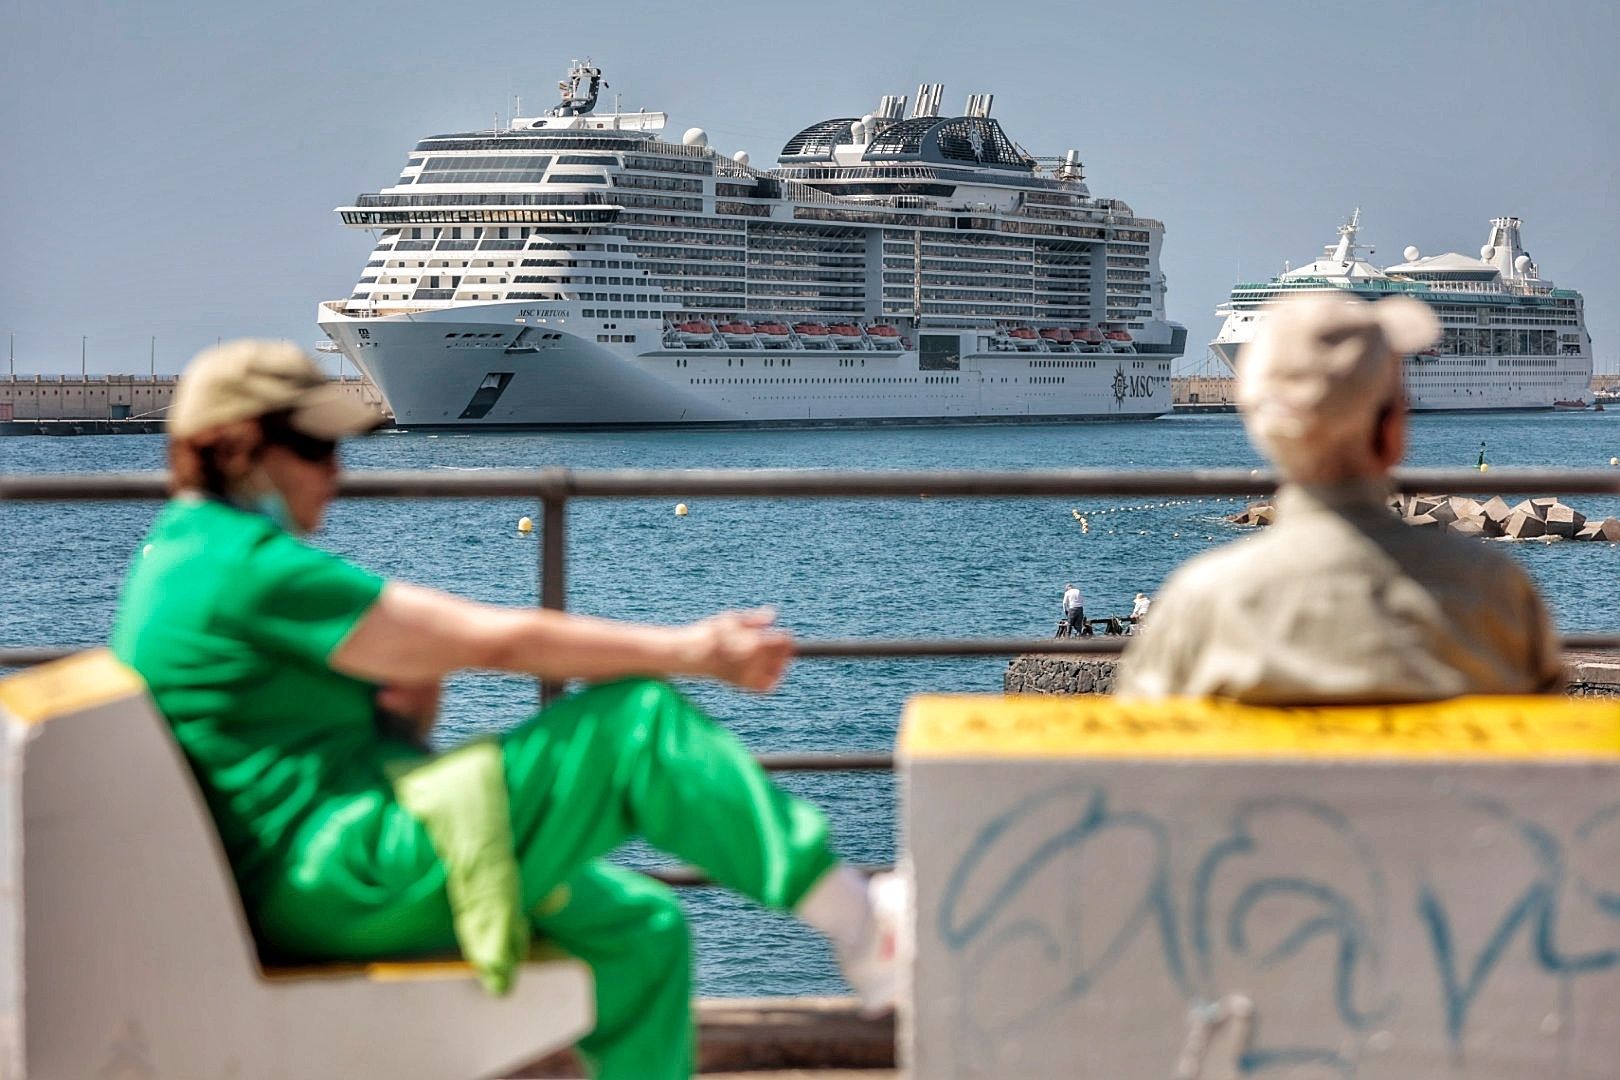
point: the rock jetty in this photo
(1531, 519)
(1586, 674)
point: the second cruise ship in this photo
(1512, 340)
(576, 270)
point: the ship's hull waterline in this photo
(1431, 388)
(449, 371)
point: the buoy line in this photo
(1079, 514)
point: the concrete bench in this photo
(126, 952)
(1202, 890)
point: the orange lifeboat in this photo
(772, 334)
(737, 332)
(695, 332)
(884, 336)
(1089, 336)
(1024, 337)
(1119, 341)
(1057, 335)
(812, 335)
(845, 335)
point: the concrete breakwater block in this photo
(1523, 526)
(1254, 514)
(1496, 509)
(1197, 890)
(1607, 529)
(1563, 520)
(1527, 520)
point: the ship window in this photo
(939, 352)
(576, 178)
(509, 169)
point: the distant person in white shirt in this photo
(1074, 609)
(1139, 608)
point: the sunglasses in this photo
(304, 447)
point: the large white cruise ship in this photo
(1512, 340)
(576, 270)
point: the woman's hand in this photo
(415, 703)
(741, 647)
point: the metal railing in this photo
(554, 488)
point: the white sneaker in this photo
(873, 965)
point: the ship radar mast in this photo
(1347, 246)
(579, 90)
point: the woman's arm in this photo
(417, 635)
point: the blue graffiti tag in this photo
(959, 929)
(1537, 906)
(978, 910)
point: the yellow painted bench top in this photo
(81, 681)
(982, 725)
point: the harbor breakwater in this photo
(1546, 518)
(1587, 674)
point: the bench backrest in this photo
(91, 770)
(1203, 889)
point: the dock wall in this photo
(107, 397)
(1589, 674)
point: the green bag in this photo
(461, 800)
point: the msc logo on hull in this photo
(1131, 386)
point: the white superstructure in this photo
(577, 270)
(1511, 341)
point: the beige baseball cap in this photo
(242, 379)
(1321, 367)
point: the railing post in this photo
(553, 566)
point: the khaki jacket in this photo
(1342, 602)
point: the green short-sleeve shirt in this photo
(230, 620)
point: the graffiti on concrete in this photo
(1275, 886)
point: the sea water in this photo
(910, 567)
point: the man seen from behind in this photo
(1340, 601)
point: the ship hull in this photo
(1431, 387)
(487, 368)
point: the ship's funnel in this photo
(928, 99)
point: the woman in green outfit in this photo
(301, 688)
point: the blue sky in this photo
(170, 169)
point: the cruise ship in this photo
(1512, 340)
(577, 270)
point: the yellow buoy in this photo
(680, 509)
(1614, 461)
(525, 525)
(145, 551)
(1484, 466)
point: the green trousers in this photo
(614, 761)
